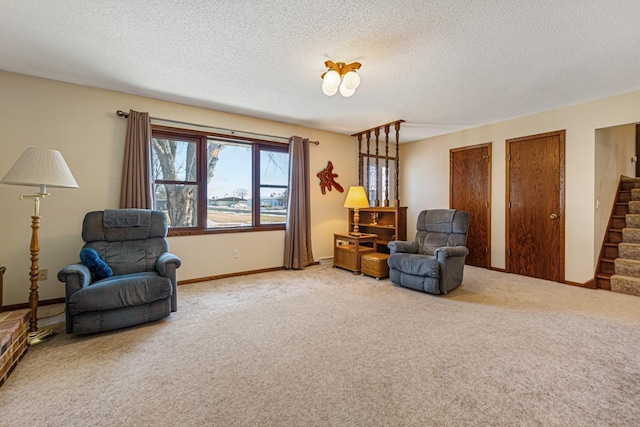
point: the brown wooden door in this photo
(637, 150)
(535, 206)
(470, 190)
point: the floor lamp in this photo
(38, 168)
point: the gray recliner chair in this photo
(143, 285)
(434, 263)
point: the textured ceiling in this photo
(440, 65)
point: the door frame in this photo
(561, 134)
(488, 207)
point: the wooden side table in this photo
(347, 249)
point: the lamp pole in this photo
(36, 335)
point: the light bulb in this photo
(346, 92)
(327, 90)
(332, 79)
(351, 80)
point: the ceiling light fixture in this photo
(340, 76)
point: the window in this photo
(273, 185)
(209, 183)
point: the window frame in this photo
(257, 184)
(202, 138)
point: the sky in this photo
(233, 171)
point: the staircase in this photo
(619, 264)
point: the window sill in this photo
(198, 232)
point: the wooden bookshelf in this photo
(390, 224)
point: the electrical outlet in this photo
(42, 274)
(236, 254)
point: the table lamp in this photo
(356, 199)
(38, 168)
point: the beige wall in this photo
(614, 149)
(81, 122)
(425, 172)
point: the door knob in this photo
(553, 216)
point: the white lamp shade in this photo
(346, 92)
(356, 198)
(38, 167)
(331, 79)
(329, 91)
(351, 80)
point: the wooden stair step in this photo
(629, 251)
(631, 220)
(624, 195)
(628, 183)
(625, 284)
(610, 250)
(627, 267)
(619, 221)
(622, 208)
(607, 265)
(615, 235)
(630, 235)
(633, 206)
(603, 281)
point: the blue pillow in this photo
(91, 258)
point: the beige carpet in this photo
(322, 347)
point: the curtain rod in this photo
(231, 131)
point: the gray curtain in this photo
(297, 238)
(136, 189)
